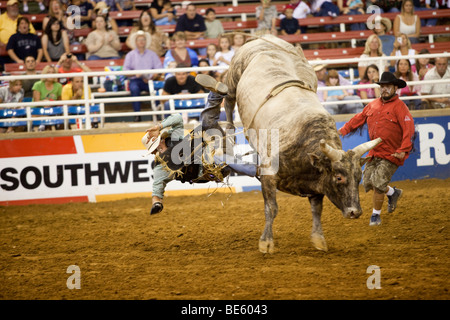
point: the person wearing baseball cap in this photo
(388, 118)
(8, 22)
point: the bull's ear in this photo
(314, 159)
(362, 161)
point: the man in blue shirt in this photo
(191, 23)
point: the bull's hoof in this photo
(266, 246)
(319, 242)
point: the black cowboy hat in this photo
(389, 78)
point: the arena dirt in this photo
(206, 248)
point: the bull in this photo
(274, 87)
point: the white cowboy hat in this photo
(152, 144)
(101, 5)
(318, 67)
(133, 36)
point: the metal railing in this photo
(152, 97)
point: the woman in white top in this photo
(402, 47)
(373, 48)
(407, 22)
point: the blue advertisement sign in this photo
(431, 154)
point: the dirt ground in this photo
(203, 247)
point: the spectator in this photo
(324, 8)
(238, 40)
(86, 12)
(26, 9)
(8, 22)
(371, 76)
(385, 5)
(162, 12)
(352, 7)
(225, 54)
(160, 42)
(381, 28)
(214, 27)
(205, 63)
(102, 44)
(23, 43)
(402, 47)
(125, 5)
(55, 41)
(321, 74)
(181, 83)
(10, 94)
(441, 71)
(74, 90)
(68, 63)
(266, 15)
(102, 9)
(27, 85)
(301, 11)
(354, 104)
(405, 73)
(191, 23)
(211, 51)
(422, 65)
(407, 22)
(181, 54)
(373, 48)
(110, 4)
(47, 89)
(55, 9)
(137, 59)
(289, 24)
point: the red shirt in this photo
(392, 122)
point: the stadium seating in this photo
(12, 113)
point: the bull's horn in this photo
(330, 152)
(366, 146)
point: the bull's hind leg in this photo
(317, 238)
(268, 186)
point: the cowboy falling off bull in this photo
(387, 117)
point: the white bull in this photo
(274, 87)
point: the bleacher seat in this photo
(47, 111)
(12, 113)
(190, 104)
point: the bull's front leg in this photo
(317, 238)
(268, 186)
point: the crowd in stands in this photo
(148, 47)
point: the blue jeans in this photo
(325, 9)
(137, 85)
(94, 57)
(356, 26)
(426, 22)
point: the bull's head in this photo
(342, 178)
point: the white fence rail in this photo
(152, 97)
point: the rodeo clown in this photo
(387, 118)
(205, 163)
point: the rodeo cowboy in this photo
(168, 143)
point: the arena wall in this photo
(95, 166)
